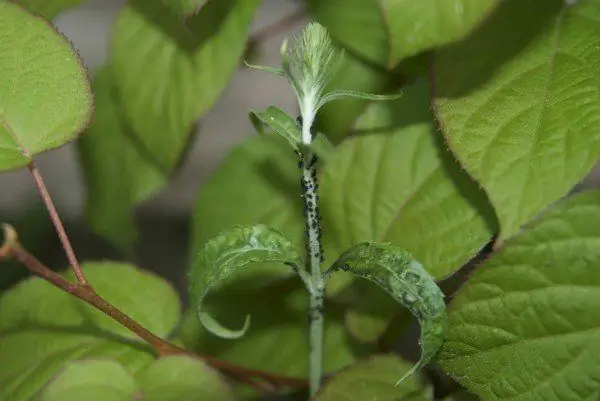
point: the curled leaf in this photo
(408, 283)
(231, 251)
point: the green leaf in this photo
(118, 172)
(263, 172)
(49, 9)
(45, 99)
(231, 251)
(408, 283)
(280, 122)
(178, 378)
(522, 119)
(182, 378)
(335, 119)
(462, 396)
(285, 126)
(93, 380)
(43, 328)
(276, 341)
(340, 94)
(375, 379)
(185, 68)
(386, 32)
(525, 325)
(397, 183)
(371, 313)
(185, 8)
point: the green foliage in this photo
(43, 328)
(262, 171)
(94, 380)
(408, 283)
(494, 119)
(276, 341)
(525, 324)
(45, 98)
(231, 251)
(182, 378)
(49, 9)
(385, 32)
(133, 176)
(178, 378)
(163, 103)
(375, 379)
(395, 182)
(522, 119)
(185, 8)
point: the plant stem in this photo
(12, 248)
(313, 235)
(60, 230)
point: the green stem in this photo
(315, 253)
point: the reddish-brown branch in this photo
(258, 379)
(60, 230)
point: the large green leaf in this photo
(178, 378)
(232, 251)
(182, 378)
(43, 328)
(405, 280)
(522, 118)
(398, 184)
(118, 171)
(169, 74)
(385, 32)
(277, 340)
(525, 325)
(258, 183)
(45, 99)
(49, 9)
(93, 380)
(375, 379)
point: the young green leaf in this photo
(288, 128)
(396, 182)
(49, 9)
(42, 328)
(351, 94)
(280, 122)
(45, 99)
(263, 172)
(91, 380)
(386, 32)
(194, 63)
(526, 324)
(114, 188)
(337, 118)
(408, 283)
(531, 102)
(231, 251)
(182, 378)
(375, 379)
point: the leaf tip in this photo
(218, 330)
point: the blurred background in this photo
(163, 220)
